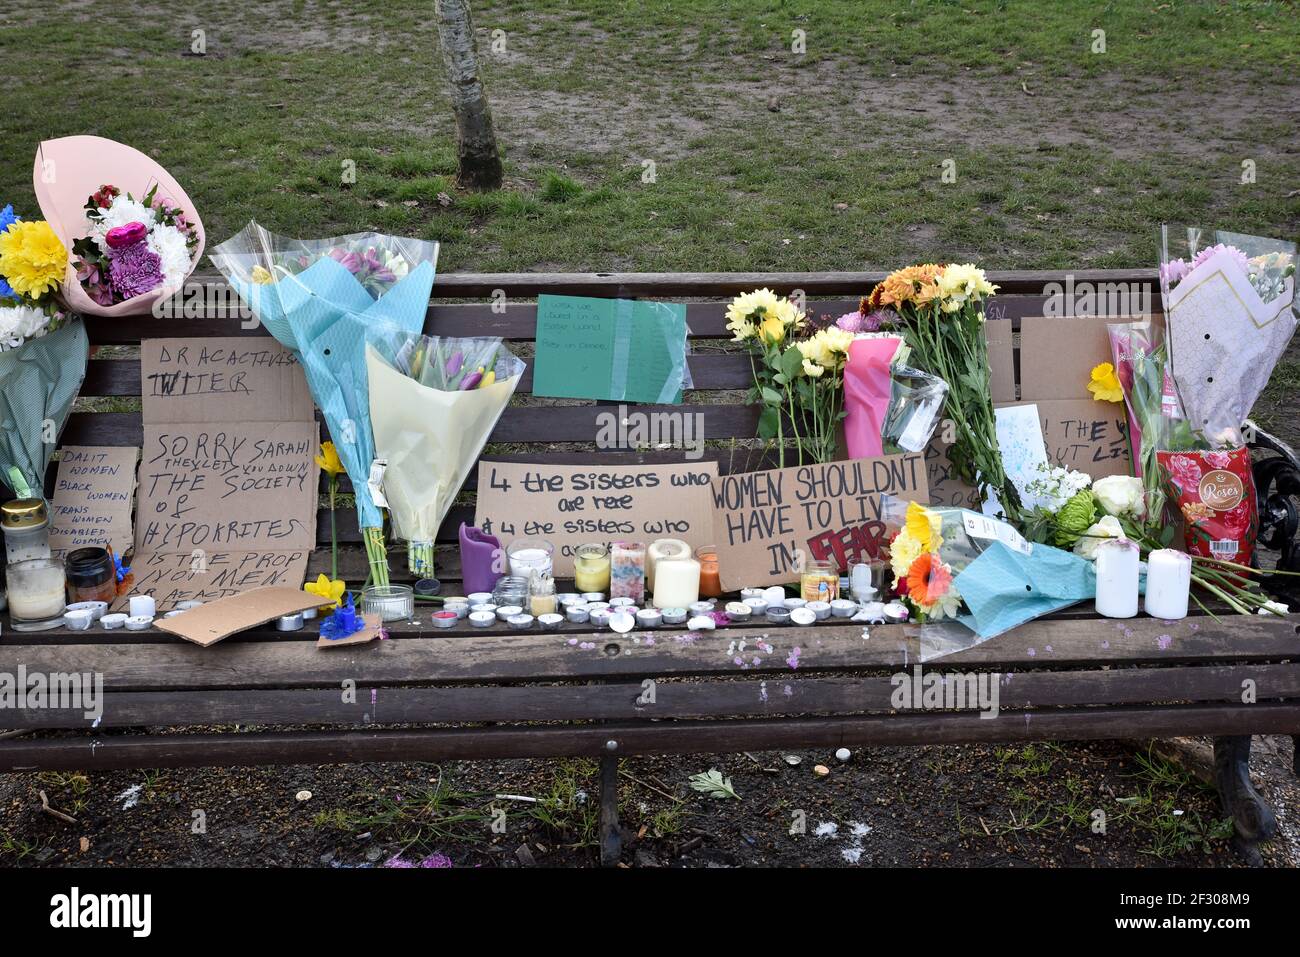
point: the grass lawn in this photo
(762, 158)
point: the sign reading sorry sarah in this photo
(769, 523)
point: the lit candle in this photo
(1117, 578)
(591, 568)
(627, 571)
(663, 548)
(1169, 579)
(677, 583)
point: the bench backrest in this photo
(504, 305)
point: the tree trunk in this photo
(478, 163)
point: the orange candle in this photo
(710, 583)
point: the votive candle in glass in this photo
(37, 593)
(819, 581)
(710, 580)
(591, 568)
(528, 555)
(663, 548)
(1169, 581)
(677, 583)
(627, 571)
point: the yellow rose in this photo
(772, 329)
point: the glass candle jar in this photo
(710, 581)
(820, 581)
(627, 571)
(541, 595)
(663, 548)
(26, 524)
(591, 568)
(677, 583)
(36, 594)
(528, 555)
(90, 575)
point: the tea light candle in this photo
(649, 618)
(550, 622)
(482, 619)
(1117, 578)
(793, 603)
(875, 612)
(821, 609)
(506, 612)
(675, 616)
(621, 602)
(627, 571)
(659, 549)
(599, 617)
(778, 615)
(520, 621)
(843, 608)
(1169, 580)
(802, 616)
(738, 610)
(756, 605)
(621, 622)
(895, 613)
(678, 584)
(484, 608)
(97, 609)
(701, 623)
(593, 596)
(110, 622)
(479, 597)
(577, 612)
(78, 620)
(444, 619)
(751, 593)
(139, 622)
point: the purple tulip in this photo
(455, 363)
(471, 380)
(348, 260)
(120, 237)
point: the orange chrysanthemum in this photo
(928, 579)
(916, 284)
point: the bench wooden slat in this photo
(625, 701)
(537, 656)
(102, 752)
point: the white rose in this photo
(1120, 495)
(1108, 527)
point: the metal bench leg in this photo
(1251, 816)
(611, 841)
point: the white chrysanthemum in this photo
(121, 212)
(20, 323)
(168, 243)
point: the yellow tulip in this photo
(328, 460)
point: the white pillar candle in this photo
(677, 583)
(36, 590)
(1169, 580)
(143, 606)
(663, 548)
(1117, 578)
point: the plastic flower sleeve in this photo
(433, 403)
(915, 409)
(1231, 308)
(319, 297)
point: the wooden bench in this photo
(429, 695)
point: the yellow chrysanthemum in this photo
(262, 276)
(32, 258)
(328, 460)
(1104, 384)
(747, 310)
(331, 591)
(962, 283)
(923, 525)
(837, 342)
(903, 551)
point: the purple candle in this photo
(480, 557)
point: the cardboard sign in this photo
(1000, 336)
(92, 499)
(946, 489)
(209, 623)
(570, 505)
(622, 349)
(766, 521)
(374, 623)
(1086, 435)
(228, 477)
(1057, 356)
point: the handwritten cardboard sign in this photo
(570, 505)
(766, 521)
(227, 475)
(92, 499)
(1085, 434)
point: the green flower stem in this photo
(334, 531)
(376, 555)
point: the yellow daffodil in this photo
(328, 460)
(330, 591)
(1104, 384)
(262, 276)
(32, 258)
(923, 525)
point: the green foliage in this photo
(712, 783)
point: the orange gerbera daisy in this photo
(911, 284)
(928, 579)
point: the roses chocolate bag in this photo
(1215, 492)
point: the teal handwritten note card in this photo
(622, 349)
